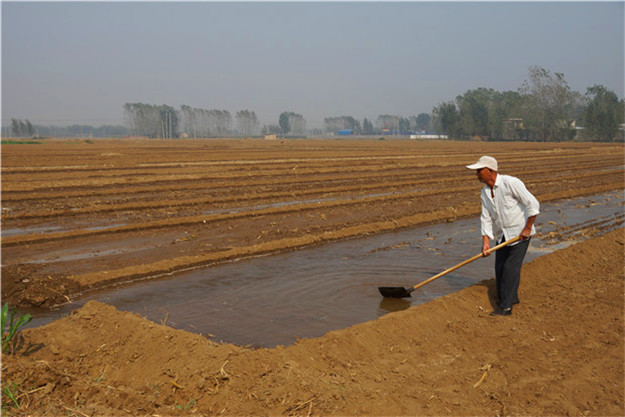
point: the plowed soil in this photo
(78, 215)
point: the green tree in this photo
(423, 121)
(474, 112)
(505, 106)
(548, 104)
(292, 122)
(404, 124)
(447, 119)
(334, 124)
(602, 115)
(367, 127)
(283, 122)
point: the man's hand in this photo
(527, 230)
(485, 246)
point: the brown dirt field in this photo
(121, 210)
(560, 353)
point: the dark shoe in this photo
(502, 312)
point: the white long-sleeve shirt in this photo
(508, 210)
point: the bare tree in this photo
(297, 123)
(247, 123)
(548, 103)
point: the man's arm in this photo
(486, 223)
(531, 204)
(527, 230)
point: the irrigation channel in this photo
(274, 300)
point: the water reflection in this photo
(390, 305)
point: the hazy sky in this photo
(79, 62)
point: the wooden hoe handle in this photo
(463, 263)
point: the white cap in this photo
(484, 162)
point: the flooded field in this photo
(273, 300)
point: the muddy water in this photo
(272, 300)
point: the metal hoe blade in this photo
(394, 292)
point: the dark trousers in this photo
(508, 262)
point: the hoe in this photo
(401, 292)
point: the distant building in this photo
(346, 132)
(428, 136)
(513, 129)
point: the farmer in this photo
(508, 210)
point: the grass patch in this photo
(9, 392)
(11, 321)
(21, 142)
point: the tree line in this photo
(142, 119)
(164, 121)
(383, 124)
(543, 109)
(25, 128)
(22, 128)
